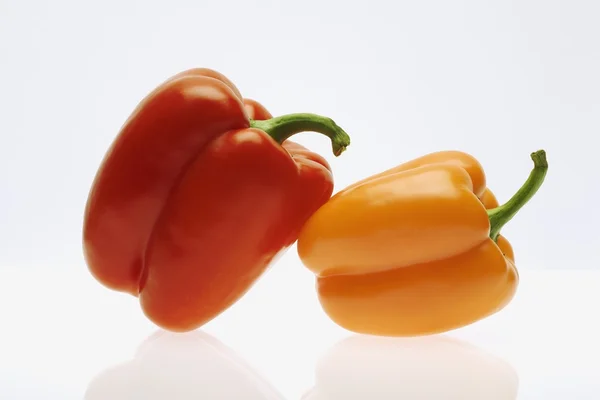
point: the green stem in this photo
(499, 216)
(282, 127)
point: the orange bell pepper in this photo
(416, 249)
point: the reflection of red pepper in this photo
(199, 367)
(196, 197)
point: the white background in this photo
(496, 79)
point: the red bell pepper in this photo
(198, 194)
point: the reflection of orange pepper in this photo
(412, 250)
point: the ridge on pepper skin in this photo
(417, 249)
(200, 191)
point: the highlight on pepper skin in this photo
(199, 192)
(417, 249)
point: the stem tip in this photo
(539, 159)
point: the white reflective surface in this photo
(65, 337)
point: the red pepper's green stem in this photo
(282, 127)
(499, 216)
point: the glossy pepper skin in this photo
(416, 249)
(198, 194)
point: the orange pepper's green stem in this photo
(499, 216)
(282, 127)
